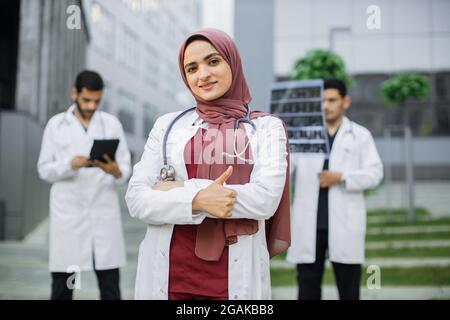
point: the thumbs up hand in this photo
(216, 199)
(224, 176)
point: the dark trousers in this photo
(108, 283)
(309, 275)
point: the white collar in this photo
(69, 116)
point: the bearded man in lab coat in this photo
(329, 214)
(85, 217)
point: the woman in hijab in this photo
(212, 231)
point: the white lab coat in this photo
(85, 216)
(354, 154)
(249, 273)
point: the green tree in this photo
(399, 90)
(403, 86)
(321, 64)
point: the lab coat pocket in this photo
(350, 158)
(356, 213)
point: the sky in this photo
(218, 14)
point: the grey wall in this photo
(431, 157)
(254, 35)
(414, 34)
(24, 195)
(49, 56)
(428, 117)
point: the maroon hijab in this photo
(220, 114)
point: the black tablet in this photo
(100, 147)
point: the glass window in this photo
(102, 29)
(150, 116)
(126, 103)
(151, 10)
(127, 48)
(150, 64)
(105, 103)
(133, 5)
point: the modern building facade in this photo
(135, 45)
(414, 35)
(40, 56)
(254, 34)
(376, 40)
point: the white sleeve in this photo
(370, 172)
(49, 168)
(259, 198)
(154, 206)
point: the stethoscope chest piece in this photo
(167, 173)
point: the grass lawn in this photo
(420, 212)
(423, 219)
(393, 276)
(418, 223)
(390, 276)
(439, 252)
(408, 236)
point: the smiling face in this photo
(208, 74)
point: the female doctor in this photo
(208, 236)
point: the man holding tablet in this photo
(85, 218)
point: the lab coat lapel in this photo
(181, 133)
(337, 155)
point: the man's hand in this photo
(110, 166)
(167, 185)
(81, 162)
(329, 178)
(216, 199)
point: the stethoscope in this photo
(167, 172)
(350, 130)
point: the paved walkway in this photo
(384, 262)
(24, 265)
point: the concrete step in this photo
(384, 293)
(408, 244)
(388, 262)
(407, 230)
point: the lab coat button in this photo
(235, 296)
(236, 260)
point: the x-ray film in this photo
(299, 104)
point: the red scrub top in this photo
(191, 278)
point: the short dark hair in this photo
(90, 80)
(333, 83)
